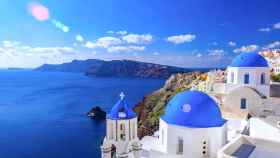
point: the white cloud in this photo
(122, 32)
(274, 44)
(214, 43)
(10, 43)
(75, 44)
(276, 26)
(178, 39)
(19, 55)
(266, 29)
(216, 52)
(231, 43)
(103, 42)
(138, 38)
(248, 48)
(156, 53)
(79, 38)
(198, 55)
(126, 48)
(110, 32)
(89, 44)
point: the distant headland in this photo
(117, 68)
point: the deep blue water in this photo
(42, 114)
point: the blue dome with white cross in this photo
(249, 60)
(121, 110)
(193, 109)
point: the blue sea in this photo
(43, 114)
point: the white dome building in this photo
(247, 88)
(250, 70)
(191, 127)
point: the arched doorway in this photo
(113, 151)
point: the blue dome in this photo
(193, 109)
(249, 60)
(121, 110)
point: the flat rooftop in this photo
(271, 120)
(249, 147)
(251, 151)
(264, 153)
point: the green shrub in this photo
(275, 78)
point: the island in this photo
(117, 68)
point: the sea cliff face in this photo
(129, 68)
(115, 68)
(76, 66)
(152, 106)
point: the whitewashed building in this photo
(265, 128)
(250, 147)
(193, 124)
(191, 127)
(247, 89)
(121, 139)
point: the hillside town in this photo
(230, 114)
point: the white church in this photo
(121, 139)
(199, 124)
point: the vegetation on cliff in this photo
(275, 77)
(152, 106)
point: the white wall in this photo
(193, 140)
(255, 78)
(233, 98)
(113, 136)
(260, 129)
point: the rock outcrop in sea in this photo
(97, 113)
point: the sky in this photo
(185, 33)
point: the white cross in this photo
(122, 95)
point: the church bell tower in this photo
(121, 139)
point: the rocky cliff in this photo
(116, 68)
(76, 66)
(152, 106)
(129, 68)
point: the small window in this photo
(180, 146)
(243, 103)
(133, 130)
(162, 137)
(122, 131)
(232, 77)
(246, 79)
(204, 148)
(263, 78)
(204, 152)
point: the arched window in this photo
(243, 103)
(232, 77)
(246, 79)
(122, 131)
(180, 146)
(263, 78)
